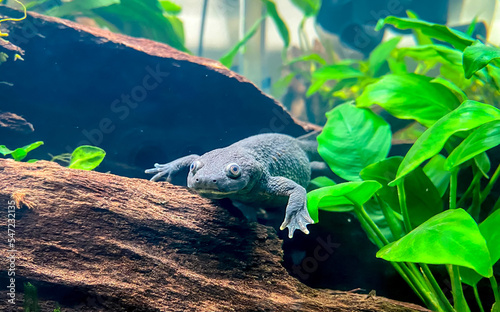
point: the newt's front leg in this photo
(172, 168)
(296, 214)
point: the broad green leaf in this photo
(454, 37)
(380, 54)
(227, 59)
(28, 148)
(278, 21)
(86, 157)
(336, 72)
(419, 36)
(352, 139)
(440, 53)
(313, 57)
(322, 182)
(439, 176)
(170, 7)
(19, 154)
(453, 88)
(480, 140)
(316, 84)
(469, 115)
(340, 197)
(79, 6)
(422, 197)
(32, 160)
(489, 228)
(142, 18)
(308, 7)
(478, 56)
(451, 237)
(410, 96)
(177, 26)
(4, 150)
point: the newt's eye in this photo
(195, 166)
(233, 171)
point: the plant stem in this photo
(488, 187)
(476, 179)
(439, 292)
(478, 299)
(402, 205)
(415, 281)
(453, 188)
(494, 286)
(496, 206)
(456, 285)
(391, 219)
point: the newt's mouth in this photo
(212, 193)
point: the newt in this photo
(264, 170)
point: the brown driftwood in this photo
(98, 242)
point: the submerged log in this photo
(91, 241)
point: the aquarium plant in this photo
(409, 205)
(84, 157)
(152, 19)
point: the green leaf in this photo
(451, 237)
(280, 87)
(422, 197)
(316, 84)
(278, 21)
(482, 162)
(410, 96)
(467, 116)
(227, 59)
(478, 56)
(4, 150)
(79, 6)
(380, 54)
(32, 160)
(437, 52)
(420, 37)
(454, 37)
(28, 148)
(313, 57)
(19, 154)
(170, 7)
(340, 197)
(436, 171)
(308, 7)
(86, 157)
(490, 232)
(336, 72)
(482, 139)
(453, 88)
(322, 182)
(352, 139)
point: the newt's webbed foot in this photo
(172, 168)
(296, 218)
(160, 171)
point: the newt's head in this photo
(220, 173)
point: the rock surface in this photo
(141, 101)
(98, 242)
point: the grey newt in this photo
(264, 170)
